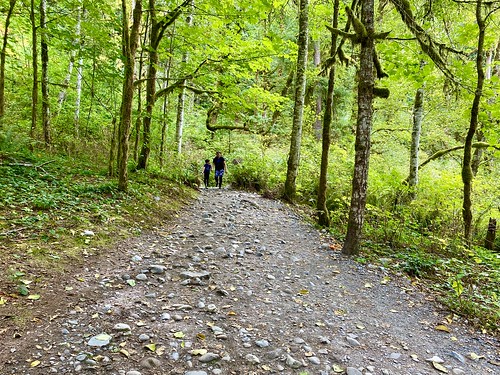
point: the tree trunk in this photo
(78, 100)
(489, 242)
(45, 74)
(34, 61)
(363, 129)
(467, 173)
(158, 28)
(112, 150)
(12, 4)
(319, 93)
(418, 114)
(298, 110)
(130, 40)
(138, 120)
(322, 209)
(181, 101)
(164, 125)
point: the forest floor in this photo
(236, 284)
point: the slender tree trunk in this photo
(78, 100)
(467, 173)
(12, 4)
(130, 39)
(112, 150)
(290, 188)
(323, 215)
(34, 61)
(138, 120)
(181, 99)
(164, 126)
(45, 74)
(319, 93)
(418, 114)
(71, 64)
(363, 129)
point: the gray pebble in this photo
(252, 359)
(141, 277)
(209, 357)
(353, 371)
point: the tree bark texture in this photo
(12, 4)
(130, 40)
(363, 129)
(467, 174)
(44, 47)
(489, 242)
(418, 114)
(319, 93)
(290, 188)
(322, 209)
(34, 61)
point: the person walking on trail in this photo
(206, 172)
(219, 167)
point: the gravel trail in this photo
(238, 284)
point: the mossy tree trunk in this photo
(290, 188)
(363, 129)
(3, 52)
(322, 209)
(418, 114)
(130, 40)
(44, 54)
(34, 62)
(467, 173)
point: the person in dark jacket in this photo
(219, 167)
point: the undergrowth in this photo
(54, 212)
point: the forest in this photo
(379, 120)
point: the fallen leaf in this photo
(368, 285)
(443, 328)
(338, 369)
(179, 335)
(3, 301)
(199, 351)
(475, 357)
(360, 326)
(385, 280)
(439, 367)
(303, 292)
(151, 347)
(125, 353)
(34, 297)
(200, 336)
(131, 282)
(35, 363)
(232, 313)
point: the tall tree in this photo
(44, 47)
(322, 209)
(130, 41)
(3, 53)
(181, 98)
(34, 61)
(365, 32)
(290, 188)
(467, 173)
(418, 114)
(158, 28)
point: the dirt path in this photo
(238, 285)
